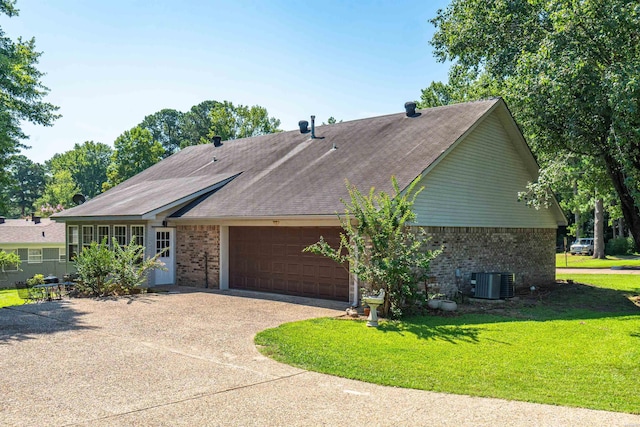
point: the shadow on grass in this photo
(28, 321)
(572, 301)
(560, 301)
(451, 333)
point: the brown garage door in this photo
(270, 259)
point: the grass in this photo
(9, 297)
(567, 344)
(584, 261)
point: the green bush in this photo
(131, 268)
(37, 279)
(9, 259)
(94, 264)
(105, 271)
(620, 246)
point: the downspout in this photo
(355, 284)
(206, 270)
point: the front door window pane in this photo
(163, 242)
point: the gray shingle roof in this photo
(288, 173)
(26, 231)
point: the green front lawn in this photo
(569, 344)
(9, 297)
(584, 261)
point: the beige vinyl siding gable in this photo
(477, 183)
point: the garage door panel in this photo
(325, 272)
(277, 249)
(310, 288)
(309, 270)
(293, 250)
(271, 259)
(278, 267)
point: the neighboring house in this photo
(40, 243)
(236, 214)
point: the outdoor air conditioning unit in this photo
(506, 285)
(487, 285)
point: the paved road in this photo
(188, 359)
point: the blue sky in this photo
(109, 64)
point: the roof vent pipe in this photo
(217, 141)
(36, 219)
(410, 108)
(313, 127)
(304, 126)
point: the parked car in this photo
(582, 247)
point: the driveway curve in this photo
(188, 359)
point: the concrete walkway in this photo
(188, 359)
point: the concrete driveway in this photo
(188, 359)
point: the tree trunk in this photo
(630, 211)
(598, 230)
(620, 227)
(576, 212)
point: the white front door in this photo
(165, 238)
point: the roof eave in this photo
(152, 214)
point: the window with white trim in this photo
(87, 235)
(103, 233)
(73, 241)
(137, 233)
(35, 256)
(120, 234)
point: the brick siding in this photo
(193, 242)
(527, 252)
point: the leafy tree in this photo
(87, 163)
(29, 180)
(21, 96)
(379, 247)
(58, 193)
(233, 122)
(196, 124)
(462, 86)
(331, 121)
(569, 71)
(8, 259)
(213, 118)
(166, 127)
(135, 151)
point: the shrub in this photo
(37, 279)
(620, 246)
(381, 250)
(131, 268)
(117, 271)
(94, 264)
